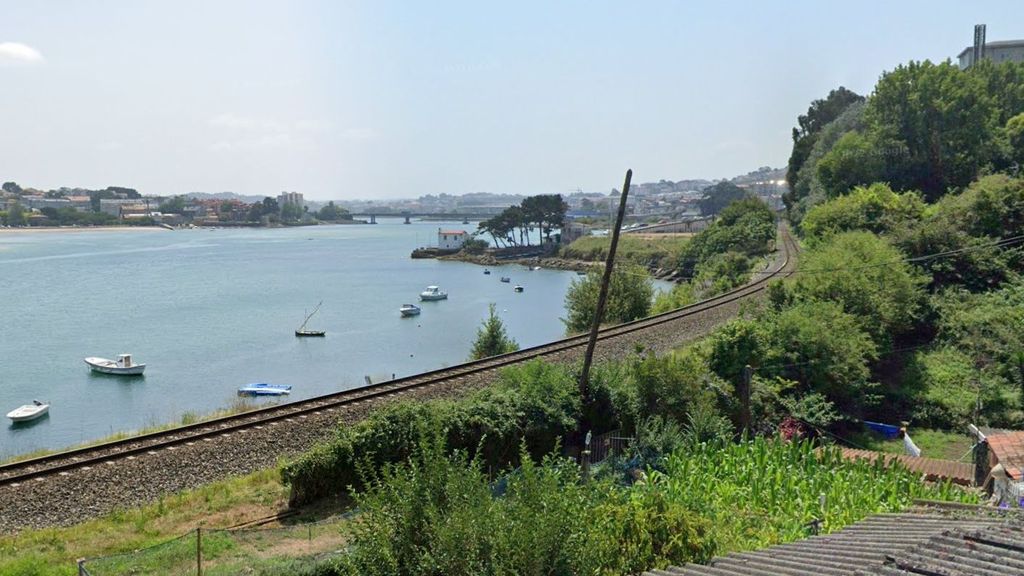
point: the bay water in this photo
(210, 310)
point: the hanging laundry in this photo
(909, 446)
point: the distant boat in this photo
(506, 279)
(29, 411)
(302, 329)
(534, 268)
(487, 272)
(433, 293)
(122, 366)
(264, 389)
(518, 288)
(409, 310)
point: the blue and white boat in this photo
(264, 389)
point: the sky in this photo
(378, 99)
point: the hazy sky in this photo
(382, 99)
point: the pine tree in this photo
(491, 338)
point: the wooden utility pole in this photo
(744, 394)
(602, 297)
(199, 551)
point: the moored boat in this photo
(409, 310)
(123, 366)
(433, 293)
(506, 279)
(518, 288)
(29, 411)
(264, 389)
(487, 272)
(301, 331)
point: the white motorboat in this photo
(122, 366)
(409, 310)
(433, 293)
(264, 389)
(29, 411)
(518, 288)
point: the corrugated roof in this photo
(933, 469)
(954, 541)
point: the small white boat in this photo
(409, 310)
(29, 411)
(123, 365)
(433, 293)
(518, 288)
(264, 389)
(506, 279)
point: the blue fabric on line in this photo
(887, 430)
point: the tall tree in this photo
(491, 338)
(717, 196)
(819, 114)
(942, 118)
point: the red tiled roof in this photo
(933, 468)
(1008, 448)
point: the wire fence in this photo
(222, 552)
(607, 445)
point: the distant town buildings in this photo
(998, 52)
(294, 198)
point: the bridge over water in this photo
(464, 216)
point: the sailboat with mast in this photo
(301, 331)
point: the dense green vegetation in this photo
(929, 128)
(911, 205)
(443, 514)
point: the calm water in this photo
(211, 310)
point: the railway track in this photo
(63, 463)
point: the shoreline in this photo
(71, 229)
(552, 262)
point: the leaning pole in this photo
(602, 297)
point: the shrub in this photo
(535, 404)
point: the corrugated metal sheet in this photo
(951, 541)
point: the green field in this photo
(644, 251)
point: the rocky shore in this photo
(554, 262)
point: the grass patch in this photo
(643, 251)
(163, 532)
